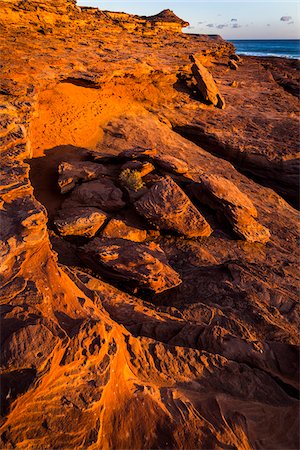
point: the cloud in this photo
(190, 27)
(286, 18)
(236, 25)
(291, 23)
(210, 25)
(200, 23)
(233, 20)
(268, 24)
(221, 26)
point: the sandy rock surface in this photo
(176, 341)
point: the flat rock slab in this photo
(171, 164)
(103, 194)
(84, 221)
(138, 153)
(144, 265)
(119, 229)
(70, 173)
(206, 84)
(224, 196)
(169, 208)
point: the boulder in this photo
(142, 167)
(119, 229)
(232, 65)
(71, 173)
(144, 266)
(206, 84)
(168, 207)
(171, 164)
(103, 194)
(222, 195)
(235, 57)
(84, 221)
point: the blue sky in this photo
(242, 19)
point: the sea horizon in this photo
(280, 48)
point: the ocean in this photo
(288, 48)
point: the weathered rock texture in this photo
(210, 363)
(166, 206)
(144, 265)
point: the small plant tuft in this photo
(131, 179)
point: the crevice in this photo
(82, 82)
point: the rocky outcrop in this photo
(206, 84)
(232, 65)
(117, 229)
(171, 164)
(209, 362)
(72, 173)
(145, 266)
(167, 20)
(168, 207)
(82, 221)
(222, 195)
(103, 194)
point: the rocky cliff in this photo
(148, 236)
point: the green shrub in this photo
(131, 179)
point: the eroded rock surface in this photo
(168, 207)
(71, 173)
(119, 229)
(80, 221)
(221, 194)
(206, 84)
(103, 194)
(209, 363)
(145, 265)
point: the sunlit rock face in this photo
(148, 239)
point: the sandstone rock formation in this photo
(167, 207)
(144, 265)
(103, 194)
(238, 209)
(206, 84)
(119, 229)
(71, 173)
(80, 221)
(209, 363)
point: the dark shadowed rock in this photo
(144, 265)
(82, 221)
(138, 153)
(168, 207)
(102, 194)
(232, 65)
(235, 57)
(206, 84)
(73, 172)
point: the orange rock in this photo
(144, 265)
(118, 229)
(167, 206)
(206, 84)
(71, 173)
(82, 221)
(221, 194)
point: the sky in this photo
(240, 19)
